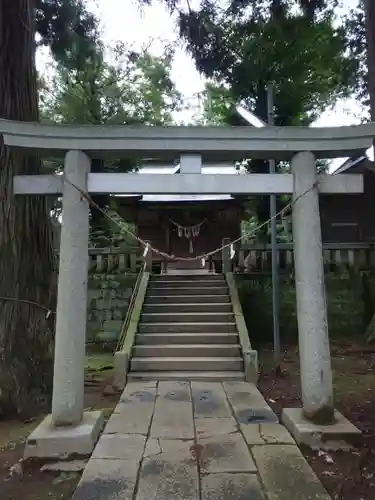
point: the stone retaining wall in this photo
(108, 300)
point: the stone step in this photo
(187, 317)
(187, 308)
(188, 375)
(190, 350)
(185, 338)
(188, 277)
(185, 299)
(198, 290)
(202, 328)
(164, 364)
(187, 284)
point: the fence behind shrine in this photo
(249, 258)
(257, 257)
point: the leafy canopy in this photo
(136, 88)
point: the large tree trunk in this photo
(370, 32)
(26, 256)
(370, 35)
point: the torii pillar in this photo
(69, 430)
(317, 424)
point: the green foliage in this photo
(240, 53)
(136, 88)
(355, 28)
(244, 45)
(68, 29)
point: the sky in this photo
(124, 21)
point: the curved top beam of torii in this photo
(215, 144)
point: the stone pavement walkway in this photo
(196, 441)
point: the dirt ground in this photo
(29, 483)
(347, 476)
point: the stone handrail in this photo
(250, 356)
(129, 312)
(257, 257)
(129, 330)
(214, 143)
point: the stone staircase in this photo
(187, 331)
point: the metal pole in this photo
(274, 252)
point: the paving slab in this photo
(152, 448)
(107, 480)
(286, 474)
(130, 419)
(120, 446)
(260, 434)
(248, 404)
(251, 416)
(177, 391)
(231, 487)
(225, 454)
(172, 420)
(252, 434)
(206, 427)
(172, 475)
(244, 394)
(160, 432)
(140, 392)
(210, 400)
(275, 434)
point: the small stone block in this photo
(120, 447)
(47, 441)
(225, 454)
(251, 366)
(121, 365)
(107, 480)
(231, 487)
(341, 435)
(65, 466)
(286, 474)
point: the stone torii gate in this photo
(71, 430)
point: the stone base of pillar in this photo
(340, 435)
(48, 442)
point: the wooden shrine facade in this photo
(185, 228)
